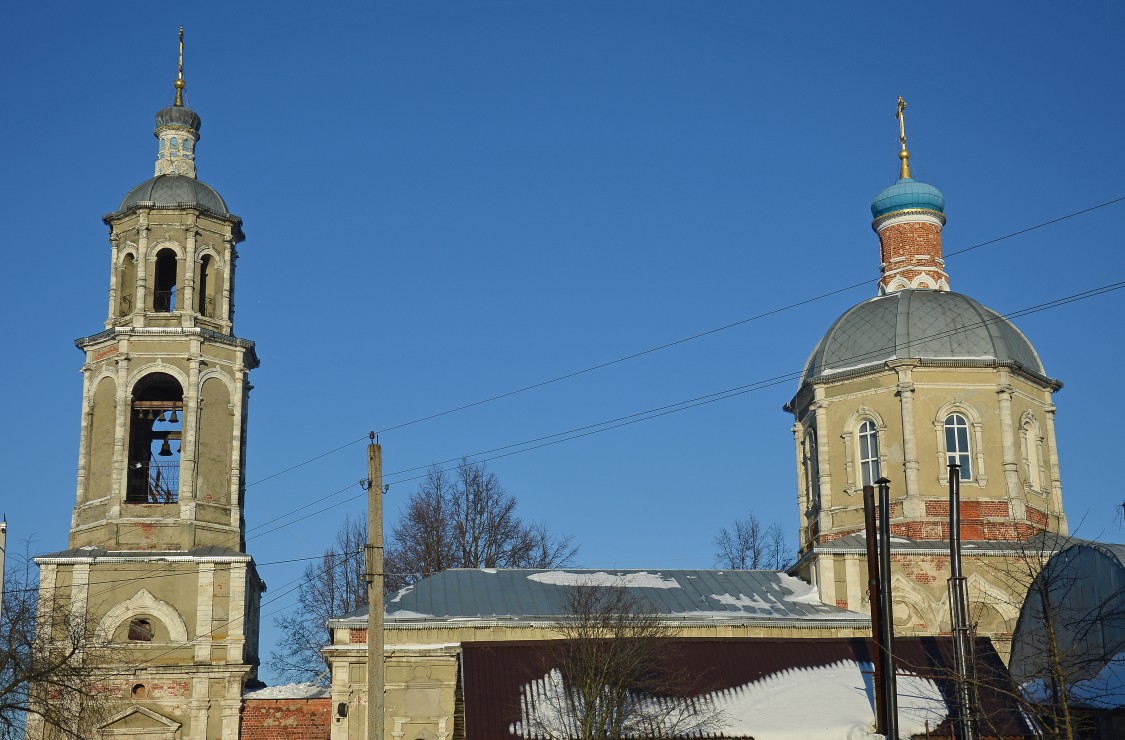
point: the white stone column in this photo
(239, 402)
(228, 283)
(826, 579)
(1056, 476)
(83, 438)
(121, 424)
(1017, 511)
(188, 305)
(141, 306)
(114, 275)
(856, 582)
(79, 593)
(913, 506)
(204, 613)
(236, 613)
(803, 501)
(190, 430)
(827, 494)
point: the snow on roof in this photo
(290, 691)
(536, 596)
(641, 579)
(805, 703)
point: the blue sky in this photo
(445, 201)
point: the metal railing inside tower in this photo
(154, 482)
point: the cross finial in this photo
(903, 154)
(180, 84)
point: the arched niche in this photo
(166, 622)
(100, 436)
(127, 285)
(214, 443)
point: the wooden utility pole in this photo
(3, 547)
(373, 559)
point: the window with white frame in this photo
(868, 456)
(957, 444)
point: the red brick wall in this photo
(906, 240)
(286, 719)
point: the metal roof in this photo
(175, 190)
(541, 595)
(924, 324)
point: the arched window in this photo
(812, 468)
(164, 292)
(868, 456)
(957, 444)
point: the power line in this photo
(675, 343)
(660, 411)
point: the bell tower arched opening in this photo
(164, 291)
(156, 430)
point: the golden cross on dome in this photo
(904, 155)
(179, 75)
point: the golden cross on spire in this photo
(903, 154)
(179, 75)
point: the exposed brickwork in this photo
(357, 637)
(911, 249)
(286, 719)
(1036, 517)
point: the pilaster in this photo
(1016, 505)
(1056, 477)
(204, 610)
(913, 507)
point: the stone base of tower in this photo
(998, 574)
(182, 632)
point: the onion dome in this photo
(175, 190)
(178, 116)
(920, 324)
(908, 194)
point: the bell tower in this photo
(157, 535)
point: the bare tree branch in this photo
(747, 545)
(617, 676)
(49, 658)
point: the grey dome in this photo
(925, 324)
(178, 115)
(175, 190)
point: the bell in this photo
(161, 417)
(165, 449)
(172, 418)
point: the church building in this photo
(157, 557)
(899, 386)
(902, 385)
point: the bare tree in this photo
(467, 521)
(332, 587)
(1070, 629)
(49, 653)
(747, 545)
(615, 676)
